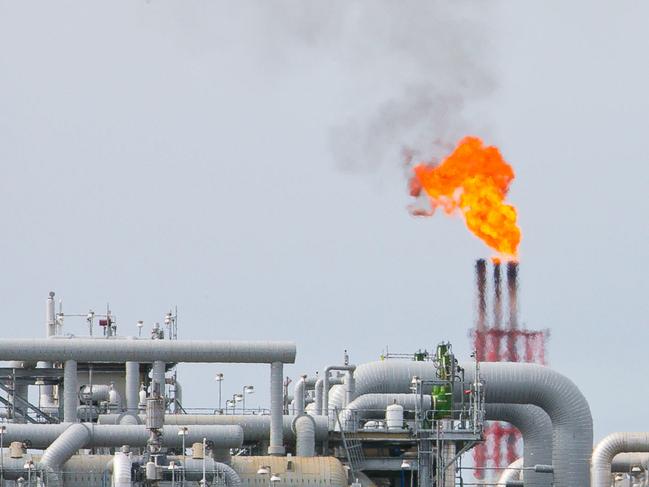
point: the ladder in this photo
(353, 449)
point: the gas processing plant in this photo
(109, 412)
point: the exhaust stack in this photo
(512, 295)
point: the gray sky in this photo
(243, 163)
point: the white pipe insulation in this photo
(108, 435)
(349, 385)
(624, 462)
(70, 392)
(298, 395)
(47, 390)
(276, 446)
(132, 386)
(255, 427)
(536, 428)
(559, 397)
(144, 350)
(608, 448)
(305, 436)
(319, 386)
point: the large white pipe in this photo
(108, 435)
(305, 436)
(608, 448)
(560, 398)
(536, 428)
(70, 392)
(117, 350)
(47, 391)
(255, 427)
(298, 395)
(132, 386)
(276, 446)
(319, 387)
(625, 462)
(158, 377)
(349, 389)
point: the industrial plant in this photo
(109, 411)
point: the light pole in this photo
(235, 399)
(246, 390)
(219, 378)
(229, 403)
(203, 481)
(182, 431)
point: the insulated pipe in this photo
(194, 470)
(143, 350)
(298, 394)
(511, 473)
(46, 391)
(158, 377)
(373, 405)
(536, 428)
(305, 436)
(559, 397)
(132, 386)
(276, 446)
(516, 383)
(608, 448)
(74, 437)
(319, 386)
(70, 392)
(325, 385)
(255, 428)
(100, 392)
(103, 435)
(624, 462)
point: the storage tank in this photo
(394, 417)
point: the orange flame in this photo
(474, 179)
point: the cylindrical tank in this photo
(142, 396)
(100, 392)
(122, 469)
(394, 417)
(114, 399)
(152, 471)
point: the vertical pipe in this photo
(319, 387)
(298, 392)
(512, 291)
(481, 323)
(350, 386)
(47, 391)
(494, 348)
(132, 386)
(70, 391)
(276, 446)
(158, 377)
